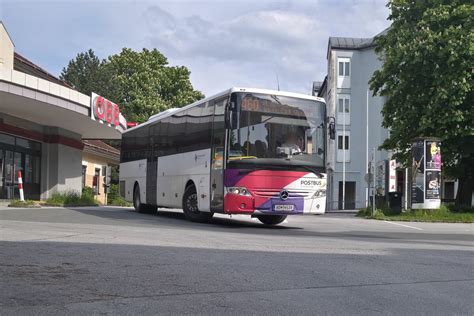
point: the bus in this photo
(243, 151)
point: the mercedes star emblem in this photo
(284, 194)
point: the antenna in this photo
(278, 81)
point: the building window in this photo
(344, 104)
(341, 144)
(344, 68)
(95, 181)
(84, 172)
(343, 109)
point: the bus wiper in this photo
(242, 157)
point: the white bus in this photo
(243, 151)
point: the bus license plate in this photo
(284, 207)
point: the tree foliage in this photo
(142, 83)
(84, 73)
(427, 78)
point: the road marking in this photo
(408, 226)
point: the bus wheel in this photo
(190, 207)
(271, 219)
(137, 204)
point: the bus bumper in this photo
(236, 204)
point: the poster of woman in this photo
(433, 155)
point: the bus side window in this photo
(163, 138)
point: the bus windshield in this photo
(276, 130)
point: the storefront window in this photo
(7, 139)
(19, 154)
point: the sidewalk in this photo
(342, 212)
(4, 203)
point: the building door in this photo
(9, 175)
(349, 198)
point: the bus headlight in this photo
(319, 193)
(238, 191)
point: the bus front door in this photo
(218, 157)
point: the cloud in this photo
(223, 43)
(253, 47)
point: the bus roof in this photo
(172, 111)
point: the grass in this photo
(72, 199)
(443, 214)
(118, 201)
(26, 203)
(114, 198)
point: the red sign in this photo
(105, 110)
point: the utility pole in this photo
(367, 147)
(375, 177)
(343, 156)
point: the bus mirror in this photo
(332, 127)
(332, 131)
(230, 117)
(320, 151)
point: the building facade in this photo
(359, 132)
(357, 117)
(97, 160)
(43, 122)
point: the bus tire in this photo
(271, 219)
(137, 204)
(190, 206)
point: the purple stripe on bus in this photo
(232, 177)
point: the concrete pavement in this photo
(115, 261)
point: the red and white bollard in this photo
(20, 186)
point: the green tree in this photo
(142, 83)
(427, 77)
(84, 73)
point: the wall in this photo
(60, 167)
(6, 49)
(92, 162)
(363, 64)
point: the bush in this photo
(88, 193)
(113, 194)
(72, 198)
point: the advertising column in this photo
(426, 174)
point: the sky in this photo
(239, 43)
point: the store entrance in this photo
(18, 154)
(7, 165)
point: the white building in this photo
(358, 119)
(42, 124)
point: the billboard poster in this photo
(418, 172)
(392, 176)
(433, 155)
(426, 173)
(432, 184)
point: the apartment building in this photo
(357, 116)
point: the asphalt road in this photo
(115, 261)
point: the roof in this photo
(323, 86)
(23, 64)
(353, 43)
(95, 146)
(157, 116)
(316, 87)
